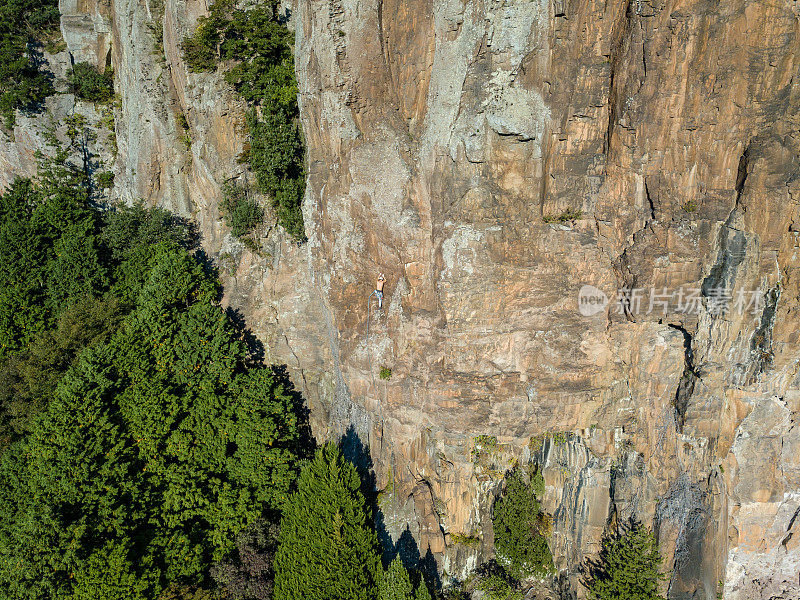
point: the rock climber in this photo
(379, 290)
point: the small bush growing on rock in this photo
(463, 539)
(87, 83)
(385, 373)
(185, 132)
(104, 180)
(520, 526)
(568, 215)
(241, 213)
(482, 447)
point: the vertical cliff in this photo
(493, 157)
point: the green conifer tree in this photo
(328, 548)
(395, 583)
(628, 568)
(520, 526)
(422, 592)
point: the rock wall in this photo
(452, 145)
(493, 157)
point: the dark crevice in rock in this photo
(789, 532)
(619, 36)
(649, 201)
(687, 347)
(644, 57)
(741, 174)
(761, 344)
(690, 375)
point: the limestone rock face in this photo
(452, 145)
(86, 29)
(495, 158)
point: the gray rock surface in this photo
(445, 139)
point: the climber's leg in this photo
(379, 295)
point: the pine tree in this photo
(156, 449)
(628, 568)
(520, 526)
(327, 546)
(395, 583)
(422, 592)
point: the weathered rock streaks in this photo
(440, 135)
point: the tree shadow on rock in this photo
(429, 569)
(358, 454)
(306, 444)
(255, 348)
(425, 567)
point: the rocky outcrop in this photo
(86, 29)
(447, 141)
(494, 158)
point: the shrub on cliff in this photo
(87, 83)
(242, 214)
(520, 527)
(22, 83)
(327, 545)
(259, 49)
(628, 567)
(201, 49)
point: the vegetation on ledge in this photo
(563, 217)
(23, 26)
(87, 83)
(241, 212)
(260, 49)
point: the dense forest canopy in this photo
(147, 437)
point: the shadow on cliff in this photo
(306, 444)
(406, 546)
(255, 349)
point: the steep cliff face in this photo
(448, 140)
(493, 157)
